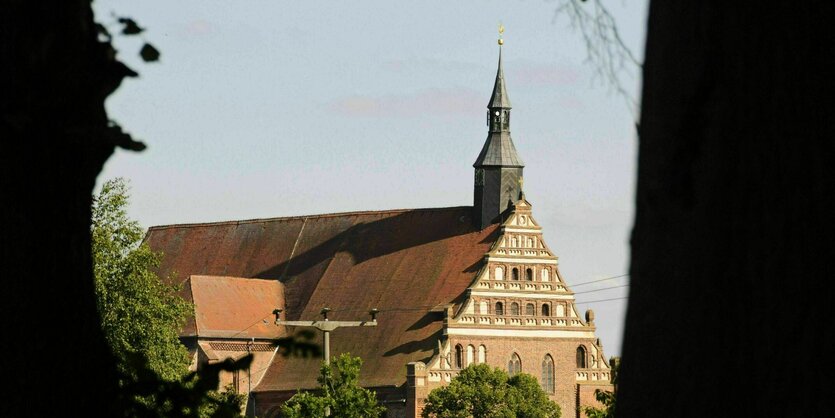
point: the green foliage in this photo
(608, 399)
(339, 391)
(141, 317)
(481, 392)
(194, 396)
(140, 313)
(149, 53)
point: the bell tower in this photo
(498, 168)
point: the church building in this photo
(453, 286)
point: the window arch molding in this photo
(581, 357)
(514, 308)
(514, 365)
(459, 356)
(547, 380)
(499, 308)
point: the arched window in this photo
(529, 275)
(514, 366)
(547, 374)
(499, 273)
(482, 354)
(470, 354)
(514, 308)
(581, 357)
(482, 307)
(560, 310)
(546, 310)
(530, 309)
(499, 308)
(459, 356)
(546, 275)
(514, 274)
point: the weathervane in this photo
(501, 31)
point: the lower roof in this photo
(402, 262)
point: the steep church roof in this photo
(403, 262)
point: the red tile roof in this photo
(403, 262)
(235, 307)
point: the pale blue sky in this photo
(273, 108)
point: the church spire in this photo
(499, 99)
(498, 168)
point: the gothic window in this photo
(499, 308)
(530, 310)
(514, 274)
(470, 354)
(459, 356)
(546, 310)
(529, 275)
(581, 357)
(547, 374)
(482, 354)
(546, 275)
(514, 366)
(499, 273)
(514, 308)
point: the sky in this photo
(262, 109)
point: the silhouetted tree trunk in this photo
(54, 130)
(733, 240)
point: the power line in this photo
(600, 300)
(602, 289)
(599, 280)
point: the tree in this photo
(734, 235)
(339, 391)
(140, 313)
(481, 392)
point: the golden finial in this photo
(501, 31)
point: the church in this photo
(451, 287)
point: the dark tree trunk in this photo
(55, 77)
(732, 247)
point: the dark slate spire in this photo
(498, 168)
(499, 150)
(499, 97)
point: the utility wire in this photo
(600, 300)
(602, 289)
(599, 280)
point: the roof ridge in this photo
(302, 217)
(215, 277)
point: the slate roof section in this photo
(499, 98)
(235, 307)
(403, 262)
(498, 151)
